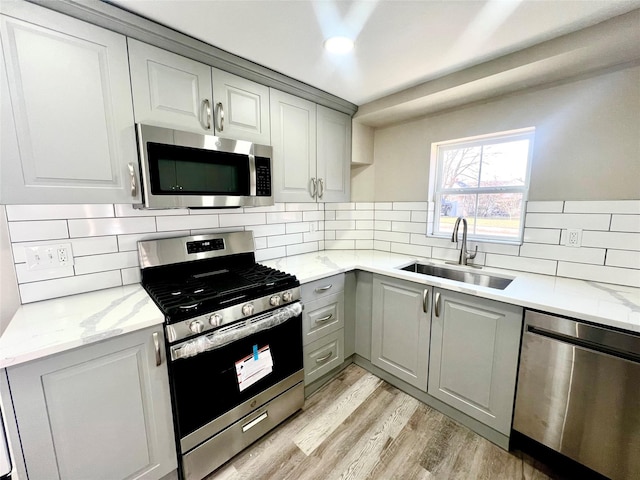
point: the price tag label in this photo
(253, 367)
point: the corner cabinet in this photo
(400, 329)
(70, 122)
(102, 410)
(473, 362)
(176, 92)
(311, 150)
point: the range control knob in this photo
(287, 296)
(215, 320)
(196, 326)
(274, 301)
(247, 309)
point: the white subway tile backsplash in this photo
(500, 248)
(37, 230)
(625, 223)
(354, 215)
(187, 222)
(110, 226)
(414, 250)
(354, 235)
(542, 235)
(398, 216)
(297, 227)
(105, 262)
(279, 240)
(447, 254)
(24, 275)
(60, 287)
(276, 207)
(330, 215)
(364, 244)
(339, 206)
(339, 224)
(51, 212)
(329, 234)
(523, 264)
(382, 225)
(623, 258)
(364, 225)
(269, 253)
(302, 248)
(260, 242)
(281, 217)
(383, 206)
(216, 211)
(314, 216)
(560, 252)
(418, 239)
(130, 275)
(339, 244)
(545, 207)
(615, 240)
(213, 231)
(598, 273)
(408, 227)
(603, 206)
(411, 206)
(381, 245)
(419, 217)
(130, 242)
(267, 230)
(399, 237)
(313, 236)
(127, 210)
(300, 207)
(365, 206)
(244, 219)
(583, 221)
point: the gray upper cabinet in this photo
(311, 150)
(100, 411)
(173, 91)
(400, 329)
(66, 111)
(473, 363)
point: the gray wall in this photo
(587, 144)
(9, 298)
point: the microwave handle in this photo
(313, 188)
(134, 184)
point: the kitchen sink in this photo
(474, 278)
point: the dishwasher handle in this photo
(591, 337)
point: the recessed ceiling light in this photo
(339, 45)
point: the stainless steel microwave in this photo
(184, 169)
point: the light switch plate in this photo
(43, 257)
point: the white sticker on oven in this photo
(253, 367)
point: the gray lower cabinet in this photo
(473, 362)
(400, 329)
(102, 411)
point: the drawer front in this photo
(322, 317)
(323, 355)
(323, 287)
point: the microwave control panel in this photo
(263, 177)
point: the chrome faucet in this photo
(464, 254)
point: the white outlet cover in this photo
(44, 257)
(574, 238)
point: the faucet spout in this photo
(464, 254)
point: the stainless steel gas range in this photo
(234, 341)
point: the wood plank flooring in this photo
(360, 427)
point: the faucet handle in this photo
(471, 256)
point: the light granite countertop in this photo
(53, 326)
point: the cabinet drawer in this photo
(323, 355)
(322, 317)
(323, 287)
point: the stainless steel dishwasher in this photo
(579, 393)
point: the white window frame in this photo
(437, 152)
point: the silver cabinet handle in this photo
(324, 319)
(324, 289)
(220, 116)
(156, 346)
(436, 304)
(425, 300)
(325, 358)
(134, 184)
(255, 421)
(320, 188)
(312, 183)
(207, 106)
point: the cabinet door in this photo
(474, 356)
(102, 411)
(70, 99)
(170, 90)
(241, 108)
(400, 329)
(293, 138)
(334, 155)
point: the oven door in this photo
(209, 382)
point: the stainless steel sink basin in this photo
(474, 278)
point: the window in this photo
(486, 181)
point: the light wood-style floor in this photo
(360, 427)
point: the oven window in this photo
(206, 386)
(190, 171)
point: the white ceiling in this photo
(398, 43)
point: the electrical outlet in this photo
(43, 257)
(574, 238)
